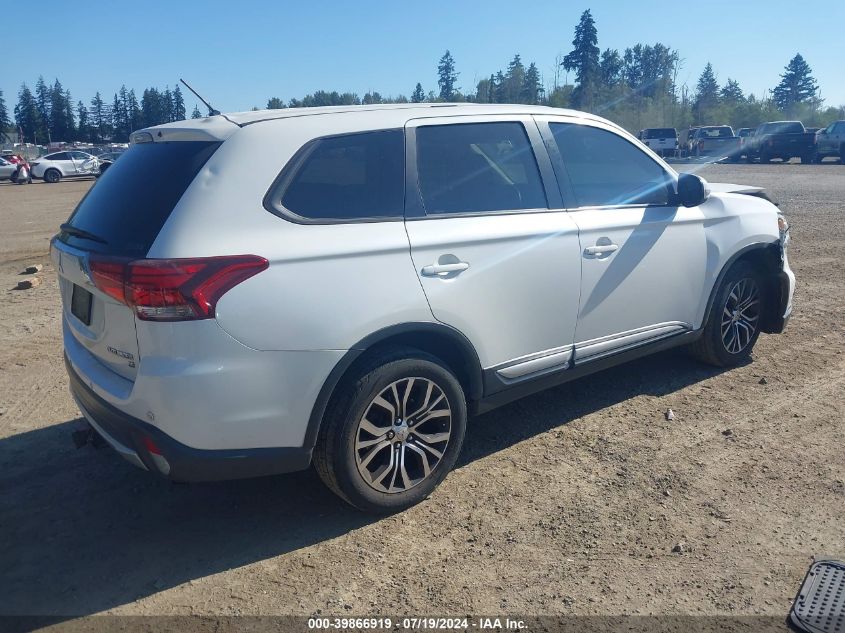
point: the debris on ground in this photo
(763, 381)
(670, 415)
(26, 284)
(31, 270)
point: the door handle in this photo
(435, 270)
(602, 249)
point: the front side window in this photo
(605, 169)
(350, 177)
(477, 168)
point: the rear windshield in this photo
(783, 127)
(662, 132)
(131, 201)
(715, 132)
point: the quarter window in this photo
(351, 177)
(477, 167)
(605, 169)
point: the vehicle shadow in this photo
(82, 531)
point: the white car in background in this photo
(53, 167)
(663, 141)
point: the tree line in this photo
(636, 87)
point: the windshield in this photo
(716, 132)
(783, 127)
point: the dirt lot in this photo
(570, 501)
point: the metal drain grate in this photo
(819, 606)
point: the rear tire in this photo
(52, 176)
(378, 448)
(734, 323)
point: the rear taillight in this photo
(173, 289)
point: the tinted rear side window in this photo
(351, 177)
(132, 200)
(477, 167)
(605, 169)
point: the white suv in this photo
(247, 293)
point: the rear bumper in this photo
(149, 447)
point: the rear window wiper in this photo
(77, 232)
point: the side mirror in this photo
(692, 190)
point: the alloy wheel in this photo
(740, 315)
(403, 435)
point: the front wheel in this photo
(393, 431)
(733, 326)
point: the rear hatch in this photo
(118, 221)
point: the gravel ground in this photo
(567, 502)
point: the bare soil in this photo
(568, 502)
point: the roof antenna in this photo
(211, 111)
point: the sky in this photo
(238, 55)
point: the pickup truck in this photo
(780, 139)
(714, 140)
(831, 142)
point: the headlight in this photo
(783, 229)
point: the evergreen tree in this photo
(418, 96)
(61, 114)
(133, 113)
(446, 77)
(532, 88)
(5, 121)
(179, 112)
(491, 89)
(610, 68)
(731, 92)
(27, 116)
(99, 117)
(797, 84)
(151, 108)
(196, 114)
(706, 94)
(371, 98)
(275, 104)
(584, 60)
(499, 88)
(119, 117)
(83, 127)
(43, 99)
(167, 109)
(514, 80)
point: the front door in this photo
(643, 257)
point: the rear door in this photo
(497, 260)
(118, 220)
(643, 256)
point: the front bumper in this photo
(149, 447)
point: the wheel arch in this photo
(444, 342)
(765, 257)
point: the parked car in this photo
(714, 140)
(7, 169)
(244, 295)
(830, 142)
(16, 169)
(106, 159)
(742, 134)
(781, 139)
(662, 141)
(53, 167)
